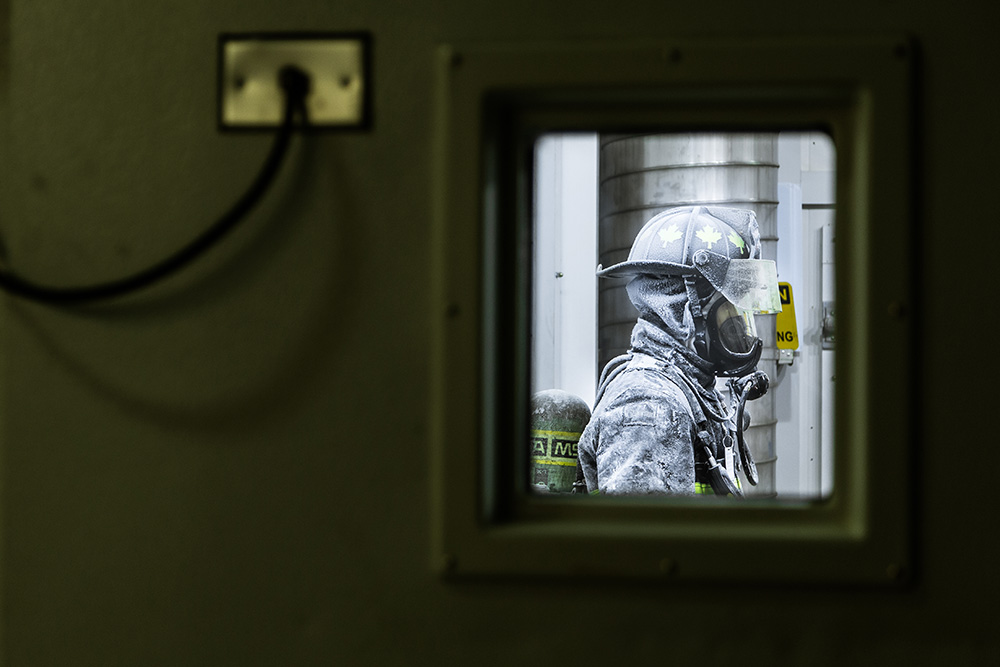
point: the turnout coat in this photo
(658, 415)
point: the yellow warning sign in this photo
(787, 334)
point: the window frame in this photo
(492, 103)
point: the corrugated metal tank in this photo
(641, 175)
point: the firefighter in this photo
(659, 425)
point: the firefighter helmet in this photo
(719, 244)
(716, 251)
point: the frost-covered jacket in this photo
(656, 409)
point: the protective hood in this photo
(727, 344)
(663, 301)
(665, 328)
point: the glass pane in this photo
(666, 420)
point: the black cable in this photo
(295, 84)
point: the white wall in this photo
(804, 390)
(565, 285)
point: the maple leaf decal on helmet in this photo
(669, 235)
(737, 241)
(709, 235)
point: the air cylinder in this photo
(557, 421)
(642, 175)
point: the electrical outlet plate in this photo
(338, 63)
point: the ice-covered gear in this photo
(668, 243)
(716, 250)
(557, 419)
(657, 409)
(657, 430)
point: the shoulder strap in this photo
(695, 409)
(610, 372)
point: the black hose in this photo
(749, 388)
(295, 84)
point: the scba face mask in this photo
(731, 341)
(743, 288)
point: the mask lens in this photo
(735, 328)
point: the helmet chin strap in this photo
(700, 327)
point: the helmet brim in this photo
(647, 267)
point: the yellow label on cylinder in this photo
(553, 459)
